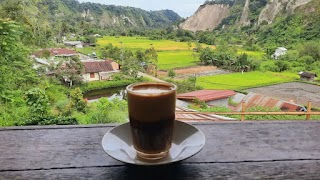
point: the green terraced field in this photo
(238, 81)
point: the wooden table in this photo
(234, 150)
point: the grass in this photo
(238, 81)
(256, 54)
(171, 54)
(136, 42)
(175, 59)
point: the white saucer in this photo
(187, 141)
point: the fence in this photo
(243, 112)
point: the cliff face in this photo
(240, 13)
(274, 7)
(207, 17)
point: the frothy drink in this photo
(152, 115)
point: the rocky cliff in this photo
(274, 7)
(239, 13)
(207, 17)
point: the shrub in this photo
(49, 120)
(171, 73)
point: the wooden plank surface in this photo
(231, 148)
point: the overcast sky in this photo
(184, 8)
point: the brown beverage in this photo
(152, 115)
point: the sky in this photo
(185, 8)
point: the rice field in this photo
(171, 54)
(239, 81)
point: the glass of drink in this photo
(152, 114)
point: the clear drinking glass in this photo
(152, 115)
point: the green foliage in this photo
(38, 102)
(96, 85)
(70, 71)
(76, 101)
(171, 73)
(186, 85)
(48, 120)
(105, 111)
(131, 67)
(282, 65)
(15, 67)
(238, 81)
(311, 49)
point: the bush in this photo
(171, 73)
(49, 120)
(96, 85)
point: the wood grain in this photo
(254, 148)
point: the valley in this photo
(237, 45)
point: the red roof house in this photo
(99, 70)
(211, 97)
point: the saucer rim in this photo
(135, 161)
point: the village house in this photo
(54, 52)
(210, 97)
(99, 70)
(280, 51)
(74, 44)
(258, 100)
(46, 57)
(307, 76)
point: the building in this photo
(74, 44)
(258, 100)
(99, 70)
(55, 52)
(280, 51)
(210, 97)
(307, 76)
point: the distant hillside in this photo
(241, 13)
(273, 21)
(98, 15)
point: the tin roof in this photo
(97, 66)
(185, 115)
(307, 74)
(206, 95)
(253, 100)
(56, 52)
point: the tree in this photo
(242, 64)
(207, 56)
(131, 67)
(282, 65)
(15, 68)
(76, 101)
(310, 49)
(70, 71)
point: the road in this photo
(150, 77)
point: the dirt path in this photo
(198, 70)
(150, 77)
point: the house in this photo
(210, 97)
(258, 100)
(55, 52)
(307, 76)
(99, 70)
(74, 44)
(280, 51)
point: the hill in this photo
(73, 13)
(277, 21)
